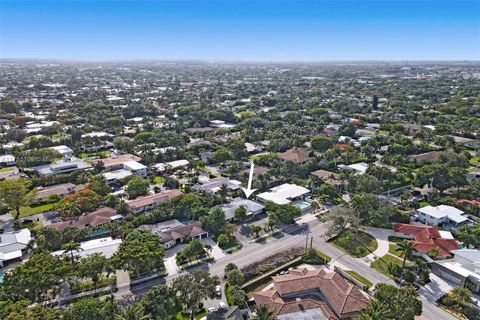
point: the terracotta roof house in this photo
(427, 156)
(427, 238)
(95, 218)
(296, 155)
(312, 294)
(328, 176)
(173, 232)
(58, 189)
(116, 162)
(150, 202)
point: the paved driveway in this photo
(436, 288)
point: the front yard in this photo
(358, 248)
(34, 209)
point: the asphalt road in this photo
(254, 252)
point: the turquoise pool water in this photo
(2, 274)
(302, 205)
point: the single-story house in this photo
(427, 156)
(283, 194)
(65, 151)
(173, 232)
(328, 176)
(295, 155)
(150, 202)
(59, 189)
(116, 162)
(104, 246)
(427, 238)
(93, 219)
(253, 208)
(214, 185)
(170, 165)
(13, 245)
(358, 168)
(312, 294)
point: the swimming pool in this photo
(302, 205)
(2, 274)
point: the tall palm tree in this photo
(406, 248)
(358, 204)
(263, 313)
(469, 237)
(315, 205)
(375, 310)
(71, 247)
(134, 312)
(461, 296)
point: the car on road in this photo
(222, 305)
(212, 309)
(218, 291)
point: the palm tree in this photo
(406, 248)
(134, 312)
(358, 204)
(71, 247)
(469, 237)
(375, 310)
(461, 296)
(223, 192)
(263, 313)
(315, 205)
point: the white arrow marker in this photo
(248, 191)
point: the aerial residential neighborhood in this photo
(239, 160)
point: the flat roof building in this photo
(284, 194)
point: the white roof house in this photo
(464, 265)
(252, 207)
(283, 194)
(133, 165)
(105, 246)
(360, 167)
(172, 165)
(63, 150)
(442, 214)
(12, 244)
(114, 176)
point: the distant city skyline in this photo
(240, 30)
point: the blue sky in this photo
(246, 30)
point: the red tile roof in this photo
(296, 155)
(94, 218)
(157, 198)
(341, 298)
(427, 238)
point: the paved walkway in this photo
(123, 284)
(383, 244)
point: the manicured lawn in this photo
(94, 154)
(381, 265)
(6, 169)
(35, 209)
(186, 316)
(361, 247)
(158, 180)
(360, 278)
(423, 204)
(392, 250)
